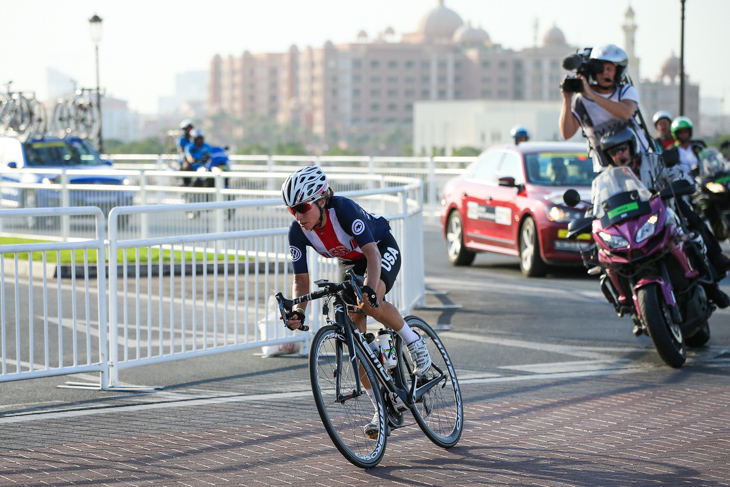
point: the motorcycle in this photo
(712, 199)
(213, 162)
(650, 265)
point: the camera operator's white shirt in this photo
(596, 121)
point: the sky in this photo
(146, 43)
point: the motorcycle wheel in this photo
(666, 335)
(700, 338)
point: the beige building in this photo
(370, 86)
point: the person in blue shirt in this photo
(186, 126)
(196, 151)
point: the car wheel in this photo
(531, 263)
(455, 249)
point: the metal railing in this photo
(177, 296)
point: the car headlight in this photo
(613, 241)
(558, 214)
(715, 187)
(647, 229)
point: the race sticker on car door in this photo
(475, 211)
(502, 215)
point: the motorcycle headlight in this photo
(647, 229)
(613, 241)
(216, 170)
(201, 169)
(558, 214)
(125, 182)
(715, 187)
(48, 181)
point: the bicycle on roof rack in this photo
(77, 115)
(338, 350)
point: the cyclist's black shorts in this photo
(389, 268)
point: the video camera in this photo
(583, 65)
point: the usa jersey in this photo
(347, 230)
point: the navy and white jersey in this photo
(347, 230)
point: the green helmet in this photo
(680, 123)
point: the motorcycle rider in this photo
(662, 122)
(335, 226)
(186, 126)
(620, 148)
(196, 151)
(606, 102)
(687, 149)
(519, 134)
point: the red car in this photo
(510, 201)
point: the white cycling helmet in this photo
(613, 54)
(304, 186)
(186, 123)
(195, 133)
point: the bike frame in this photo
(354, 339)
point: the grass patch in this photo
(146, 254)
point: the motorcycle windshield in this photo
(712, 162)
(613, 182)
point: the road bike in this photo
(78, 115)
(14, 114)
(341, 359)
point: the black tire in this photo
(346, 419)
(439, 412)
(666, 335)
(455, 249)
(531, 263)
(700, 338)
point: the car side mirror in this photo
(571, 197)
(13, 165)
(507, 181)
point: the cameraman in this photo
(604, 101)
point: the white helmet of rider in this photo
(186, 123)
(659, 115)
(613, 54)
(304, 186)
(195, 133)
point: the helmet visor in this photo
(619, 149)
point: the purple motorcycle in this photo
(650, 265)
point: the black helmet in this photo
(617, 137)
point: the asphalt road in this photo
(557, 391)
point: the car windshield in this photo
(613, 181)
(61, 153)
(559, 169)
(711, 162)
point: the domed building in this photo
(370, 84)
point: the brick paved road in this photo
(645, 427)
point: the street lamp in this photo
(95, 29)
(681, 64)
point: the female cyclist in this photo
(335, 226)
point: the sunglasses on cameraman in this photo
(301, 208)
(617, 150)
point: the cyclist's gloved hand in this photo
(296, 314)
(370, 293)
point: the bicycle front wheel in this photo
(439, 412)
(345, 413)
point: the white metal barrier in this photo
(62, 331)
(180, 296)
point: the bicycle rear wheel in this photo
(439, 412)
(344, 413)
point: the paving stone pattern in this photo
(637, 437)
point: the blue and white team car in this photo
(30, 174)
